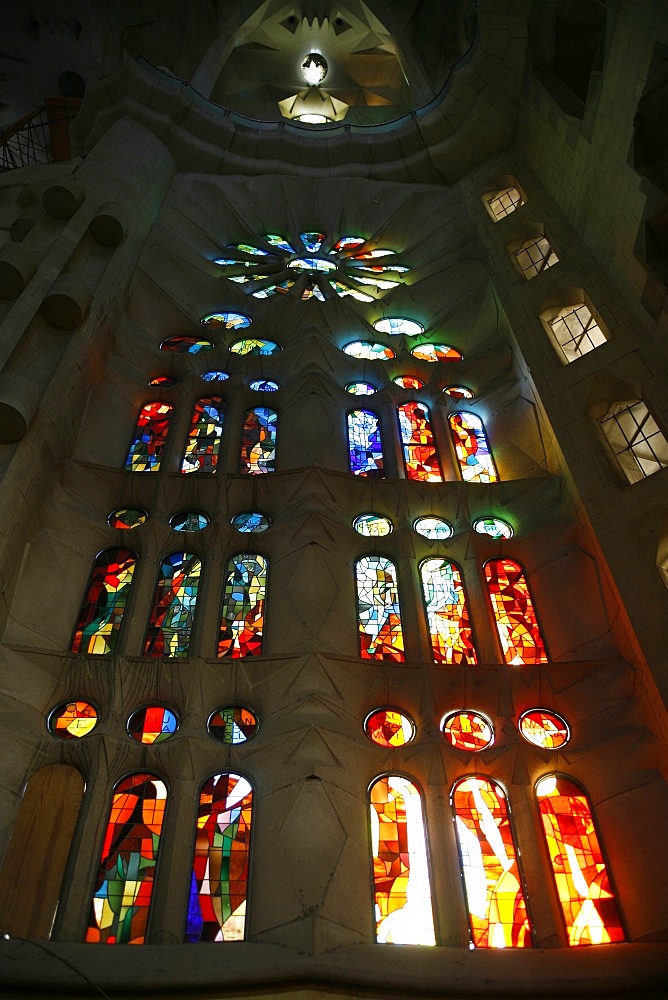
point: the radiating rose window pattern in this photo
(388, 727)
(153, 724)
(127, 518)
(258, 443)
(381, 634)
(475, 459)
(219, 883)
(124, 886)
(417, 439)
(173, 613)
(372, 525)
(447, 613)
(206, 429)
(516, 622)
(468, 731)
(312, 265)
(544, 729)
(103, 607)
(402, 892)
(242, 617)
(365, 449)
(494, 894)
(436, 352)
(186, 345)
(73, 720)
(150, 437)
(583, 886)
(233, 724)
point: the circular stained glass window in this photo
(264, 385)
(468, 731)
(226, 321)
(164, 381)
(363, 350)
(436, 352)
(493, 526)
(251, 521)
(458, 392)
(433, 527)
(188, 520)
(153, 724)
(214, 376)
(127, 517)
(408, 382)
(72, 720)
(233, 724)
(388, 727)
(255, 347)
(544, 729)
(186, 345)
(360, 388)
(372, 525)
(407, 327)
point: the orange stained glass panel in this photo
(388, 727)
(516, 621)
(381, 634)
(544, 729)
(586, 897)
(420, 455)
(468, 731)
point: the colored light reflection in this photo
(388, 727)
(73, 720)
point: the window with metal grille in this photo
(535, 256)
(576, 332)
(502, 203)
(635, 439)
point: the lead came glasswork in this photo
(372, 525)
(468, 731)
(420, 456)
(256, 348)
(127, 518)
(363, 350)
(251, 521)
(388, 727)
(494, 527)
(586, 896)
(258, 444)
(73, 720)
(226, 321)
(206, 429)
(242, 619)
(232, 725)
(379, 614)
(150, 437)
(173, 614)
(513, 608)
(475, 459)
(402, 893)
(153, 724)
(497, 909)
(364, 444)
(433, 527)
(544, 729)
(188, 520)
(447, 613)
(101, 614)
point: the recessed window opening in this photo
(502, 203)
(635, 439)
(576, 331)
(535, 256)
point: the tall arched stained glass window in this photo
(586, 897)
(242, 619)
(470, 441)
(174, 605)
(513, 608)
(364, 445)
(417, 439)
(122, 898)
(495, 898)
(217, 908)
(150, 437)
(258, 445)
(402, 893)
(101, 614)
(379, 614)
(447, 612)
(206, 428)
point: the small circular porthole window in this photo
(388, 727)
(544, 729)
(468, 731)
(152, 724)
(127, 518)
(233, 724)
(72, 720)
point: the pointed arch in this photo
(447, 612)
(150, 437)
(380, 630)
(174, 606)
(101, 614)
(473, 452)
(516, 622)
(417, 438)
(242, 617)
(206, 429)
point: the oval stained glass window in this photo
(226, 321)
(186, 345)
(360, 388)
(251, 522)
(127, 518)
(433, 527)
(436, 352)
(458, 392)
(467, 731)
(153, 724)
(544, 729)
(398, 325)
(188, 520)
(388, 727)
(494, 527)
(364, 350)
(233, 724)
(164, 381)
(264, 385)
(408, 382)
(72, 720)
(312, 264)
(372, 525)
(255, 347)
(214, 376)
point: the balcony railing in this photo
(41, 136)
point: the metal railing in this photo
(26, 141)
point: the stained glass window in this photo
(166, 381)
(388, 727)
(258, 445)
(127, 518)
(206, 428)
(447, 614)
(397, 325)
(233, 724)
(364, 444)
(73, 720)
(436, 352)
(215, 375)
(586, 896)
(402, 893)
(173, 614)
(150, 437)
(379, 614)
(251, 522)
(497, 909)
(120, 906)
(186, 345)
(226, 321)
(242, 619)
(493, 527)
(153, 724)
(417, 439)
(188, 520)
(219, 885)
(408, 382)
(365, 351)
(360, 388)
(372, 525)
(458, 392)
(433, 527)
(544, 729)
(468, 731)
(101, 615)
(312, 241)
(475, 459)
(513, 608)
(263, 385)
(255, 347)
